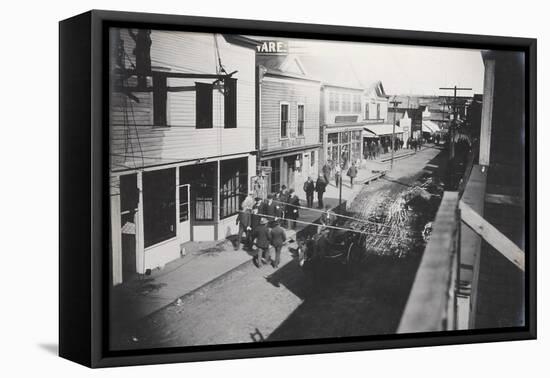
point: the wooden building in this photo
(288, 121)
(182, 142)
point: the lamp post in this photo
(452, 125)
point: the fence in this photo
(432, 304)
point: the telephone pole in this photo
(452, 125)
(394, 103)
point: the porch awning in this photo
(430, 127)
(369, 134)
(383, 129)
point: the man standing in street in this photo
(292, 208)
(244, 220)
(320, 187)
(262, 239)
(309, 188)
(278, 238)
(352, 173)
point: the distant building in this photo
(346, 106)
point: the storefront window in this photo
(204, 192)
(233, 185)
(159, 206)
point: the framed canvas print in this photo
(234, 188)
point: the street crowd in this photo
(263, 221)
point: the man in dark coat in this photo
(352, 173)
(244, 220)
(309, 188)
(254, 217)
(262, 239)
(278, 238)
(268, 208)
(320, 187)
(293, 208)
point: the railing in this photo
(432, 303)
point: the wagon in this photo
(331, 248)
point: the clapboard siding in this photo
(329, 116)
(293, 93)
(136, 142)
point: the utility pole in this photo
(452, 125)
(394, 103)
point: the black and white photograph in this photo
(272, 189)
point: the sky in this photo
(403, 70)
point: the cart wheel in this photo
(350, 260)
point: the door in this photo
(129, 197)
(185, 219)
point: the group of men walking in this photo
(262, 221)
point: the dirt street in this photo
(253, 305)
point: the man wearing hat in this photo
(262, 239)
(320, 187)
(277, 238)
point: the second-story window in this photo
(377, 111)
(357, 104)
(367, 116)
(301, 117)
(334, 102)
(284, 120)
(346, 103)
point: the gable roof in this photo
(332, 71)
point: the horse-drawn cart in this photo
(330, 248)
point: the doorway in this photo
(129, 198)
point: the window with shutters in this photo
(230, 103)
(203, 106)
(159, 101)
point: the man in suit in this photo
(278, 238)
(352, 173)
(309, 188)
(293, 208)
(262, 239)
(244, 220)
(320, 187)
(268, 209)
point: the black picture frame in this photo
(83, 180)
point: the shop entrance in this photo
(129, 197)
